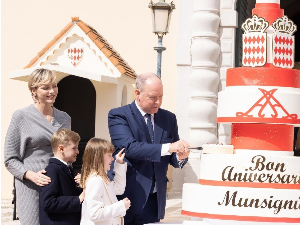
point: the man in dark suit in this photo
(150, 138)
(60, 200)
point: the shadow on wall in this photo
(297, 141)
(192, 168)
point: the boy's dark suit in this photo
(59, 201)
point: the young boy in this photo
(60, 200)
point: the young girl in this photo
(100, 205)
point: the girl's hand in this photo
(77, 178)
(81, 196)
(120, 157)
(38, 178)
(127, 203)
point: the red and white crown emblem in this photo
(284, 42)
(75, 54)
(254, 41)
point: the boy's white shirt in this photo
(96, 207)
(60, 160)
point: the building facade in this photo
(204, 41)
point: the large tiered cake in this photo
(260, 183)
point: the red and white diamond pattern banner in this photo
(254, 49)
(75, 55)
(283, 50)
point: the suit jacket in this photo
(128, 130)
(59, 201)
(101, 206)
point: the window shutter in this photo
(241, 8)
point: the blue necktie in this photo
(150, 127)
(151, 133)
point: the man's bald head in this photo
(149, 92)
(143, 78)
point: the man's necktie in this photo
(151, 133)
(150, 127)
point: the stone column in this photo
(228, 25)
(203, 81)
(184, 61)
(204, 48)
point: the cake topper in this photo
(255, 24)
(283, 42)
(284, 25)
(254, 41)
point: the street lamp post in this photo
(161, 16)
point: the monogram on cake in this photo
(256, 179)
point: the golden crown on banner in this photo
(255, 24)
(284, 25)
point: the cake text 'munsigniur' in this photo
(270, 203)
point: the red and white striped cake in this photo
(260, 183)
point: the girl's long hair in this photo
(93, 159)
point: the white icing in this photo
(212, 200)
(249, 100)
(266, 188)
(215, 149)
(216, 167)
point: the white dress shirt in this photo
(165, 147)
(61, 160)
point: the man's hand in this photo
(183, 155)
(179, 146)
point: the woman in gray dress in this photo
(27, 147)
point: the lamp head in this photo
(161, 16)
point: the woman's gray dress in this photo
(27, 147)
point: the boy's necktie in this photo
(70, 167)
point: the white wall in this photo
(27, 26)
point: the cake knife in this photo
(195, 149)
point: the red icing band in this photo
(262, 136)
(257, 120)
(269, 11)
(262, 76)
(248, 184)
(241, 218)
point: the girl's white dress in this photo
(100, 205)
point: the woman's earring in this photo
(34, 97)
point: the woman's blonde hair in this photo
(93, 159)
(39, 77)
